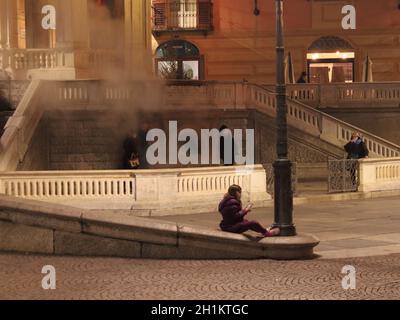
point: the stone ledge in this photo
(40, 214)
(128, 227)
(122, 235)
(21, 238)
(87, 245)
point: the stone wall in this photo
(93, 141)
(381, 122)
(38, 227)
(14, 90)
(37, 157)
(83, 141)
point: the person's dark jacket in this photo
(357, 149)
(231, 211)
(130, 149)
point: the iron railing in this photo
(343, 176)
(269, 169)
(175, 15)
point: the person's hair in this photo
(233, 189)
(355, 134)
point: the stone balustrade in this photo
(379, 174)
(320, 124)
(21, 127)
(158, 191)
(337, 95)
(97, 95)
(30, 63)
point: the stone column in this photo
(3, 24)
(138, 38)
(8, 24)
(72, 24)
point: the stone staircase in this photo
(11, 94)
(94, 141)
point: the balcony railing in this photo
(181, 15)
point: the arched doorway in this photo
(330, 60)
(178, 60)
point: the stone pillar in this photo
(72, 24)
(8, 24)
(3, 24)
(138, 38)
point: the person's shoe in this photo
(272, 233)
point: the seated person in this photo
(233, 215)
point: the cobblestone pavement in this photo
(357, 228)
(100, 278)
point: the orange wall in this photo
(243, 45)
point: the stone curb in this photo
(79, 232)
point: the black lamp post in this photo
(282, 166)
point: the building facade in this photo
(90, 38)
(238, 40)
(198, 39)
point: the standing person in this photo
(233, 215)
(356, 148)
(143, 144)
(303, 78)
(226, 134)
(131, 159)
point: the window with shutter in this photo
(204, 14)
(182, 15)
(160, 14)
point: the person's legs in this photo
(253, 226)
(246, 226)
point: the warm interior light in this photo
(315, 56)
(330, 55)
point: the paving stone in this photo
(126, 279)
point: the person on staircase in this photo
(234, 214)
(356, 147)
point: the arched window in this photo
(178, 59)
(330, 59)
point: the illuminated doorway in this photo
(330, 60)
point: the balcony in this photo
(182, 15)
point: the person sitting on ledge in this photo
(233, 215)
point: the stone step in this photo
(312, 171)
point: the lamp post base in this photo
(284, 197)
(286, 230)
